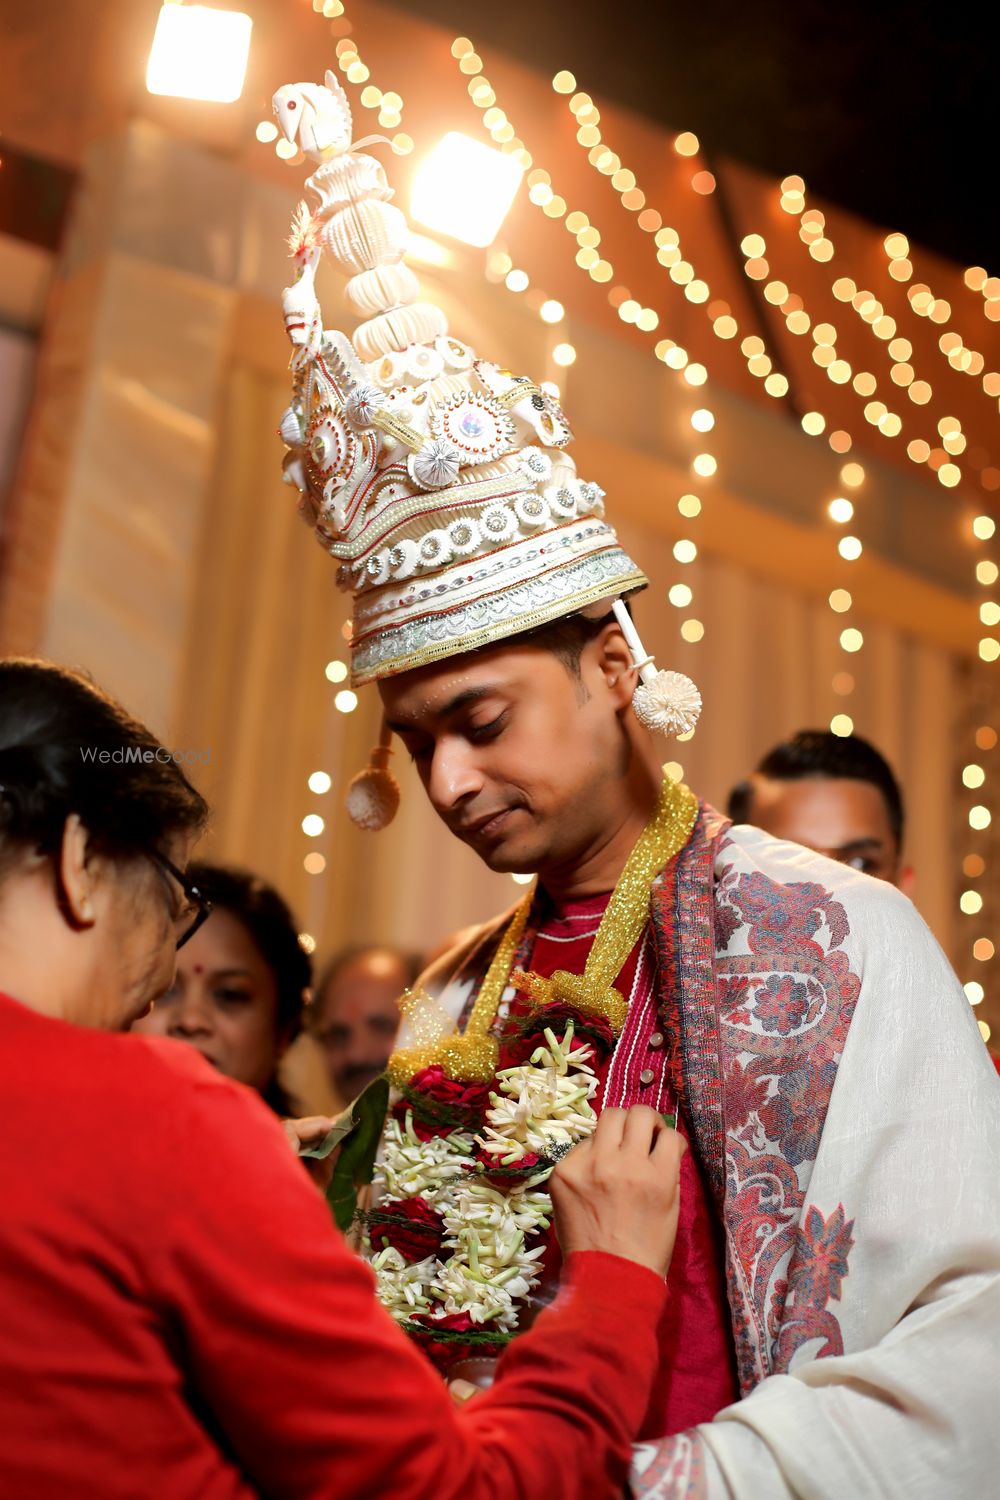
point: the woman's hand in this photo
(307, 1132)
(619, 1190)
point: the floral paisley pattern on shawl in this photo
(677, 1468)
(777, 1006)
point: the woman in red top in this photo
(180, 1319)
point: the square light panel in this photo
(465, 189)
(199, 53)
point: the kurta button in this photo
(656, 1040)
(646, 1077)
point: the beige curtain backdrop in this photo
(267, 618)
(184, 581)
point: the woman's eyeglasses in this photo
(199, 904)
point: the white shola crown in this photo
(438, 480)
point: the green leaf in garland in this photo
(359, 1147)
(345, 1124)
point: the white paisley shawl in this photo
(847, 1117)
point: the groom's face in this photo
(521, 757)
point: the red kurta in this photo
(697, 1375)
(180, 1319)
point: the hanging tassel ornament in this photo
(664, 702)
(372, 799)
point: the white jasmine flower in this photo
(460, 1291)
(411, 1167)
(402, 1288)
(486, 1271)
(485, 1291)
(484, 1208)
(542, 1104)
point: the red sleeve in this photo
(319, 1393)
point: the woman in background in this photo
(242, 982)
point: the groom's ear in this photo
(613, 660)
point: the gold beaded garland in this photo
(472, 1057)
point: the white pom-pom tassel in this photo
(669, 703)
(372, 799)
(665, 702)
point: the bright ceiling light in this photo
(199, 53)
(465, 189)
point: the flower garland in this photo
(456, 1239)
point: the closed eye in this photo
(420, 750)
(482, 734)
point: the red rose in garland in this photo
(432, 1083)
(408, 1225)
(444, 1352)
(491, 1170)
(440, 1104)
(453, 1322)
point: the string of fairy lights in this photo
(975, 776)
(388, 107)
(594, 263)
(960, 357)
(841, 509)
(591, 258)
(952, 443)
(977, 280)
(868, 308)
(759, 363)
(812, 234)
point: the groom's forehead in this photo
(447, 688)
(441, 696)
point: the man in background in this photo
(832, 793)
(355, 1013)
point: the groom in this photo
(838, 1244)
(834, 1302)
